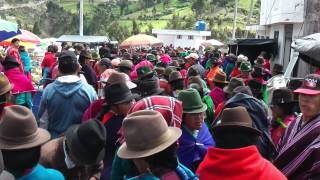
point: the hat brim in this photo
(227, 90)
(307, 91)
(223, 82)
(77, 150)
(200, 110)
(179, 79)
(127, 99)
(125, 153)
(145, 75)
(42, 137)
(7, 89)
(131, 85)
(157, 92)
(218, 128)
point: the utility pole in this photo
(81, 18)
(311, 25)
(312, 18)
(235, 20)
(249, 18)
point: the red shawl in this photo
(240, 164)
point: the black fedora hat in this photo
(150, 87)
(282, 96)
(86, 142)
(118, 93)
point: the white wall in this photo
(277, 11)
(183, 42)
(167, 39)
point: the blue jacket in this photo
(26, 61)
(63, 103)
(192, 149)
(41, 173)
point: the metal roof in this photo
(83, 39)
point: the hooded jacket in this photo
(241, 164)
(63, 104)
(259, 116)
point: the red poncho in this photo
(240, 164)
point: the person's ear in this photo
(78, 68)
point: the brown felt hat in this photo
(19, 129)
(117, 77)
(236, 118)
(220, 77)
(174, 76)
(5, 85)
(234, 83)
(146, 133)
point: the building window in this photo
(190, 37)
(179, 37)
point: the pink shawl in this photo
(21, 84)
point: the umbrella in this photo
(212, 42)
(27, 38)
(308, 48)
(8, 30)
(141, 40)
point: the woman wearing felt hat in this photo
(196, 138)
(151, 144)
(219, 82)
(282, 112)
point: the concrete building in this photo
(181, 38)
(281, 20)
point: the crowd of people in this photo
(155, 113)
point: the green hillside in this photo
(122, 18)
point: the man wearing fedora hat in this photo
(150, 87)
(153, 151)
(282, 106)
(21, 147)
(193, 59)
(176, 82)
(299, 145)
(94, 109)
(245, 69)
(64, 101)
(277, 69)
(196, 137)
(236, 70)
(79, 153)
(217, 94)
(125, 66)
(215, 68)
(89, 73)
(235, 155)
(119, 100)
(228, 93)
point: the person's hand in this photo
(93, 178)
